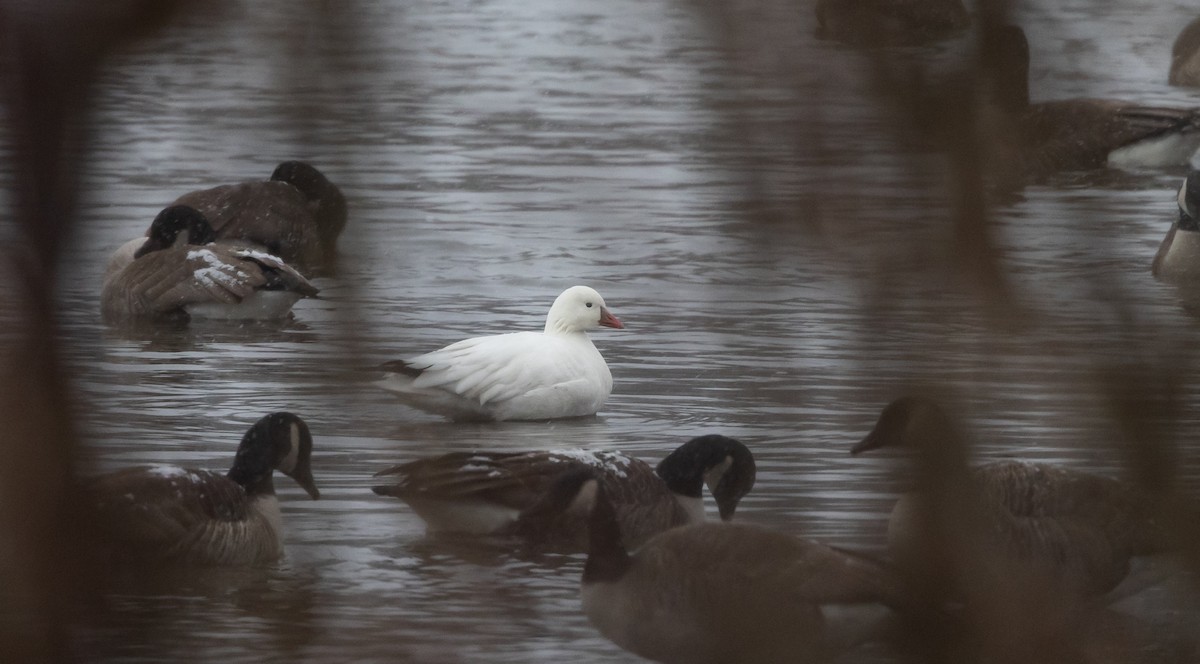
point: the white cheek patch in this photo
(585, 498)
(714, 474)
(288, 464)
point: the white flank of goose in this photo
(556, 373)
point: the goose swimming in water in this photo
(494, 493)
(179, 272)
(555, 373)
(182, 515)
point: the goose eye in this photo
(588, 305)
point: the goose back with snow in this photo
(177, 272)
(297, 215)
(556, 373)
(717, 592)
(170, 514)
(488, 493)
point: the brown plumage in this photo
(177, 274)
(1072, 529)
(1035, 140)
(890, 22)
(719, 592)
(1185, 56)
(169, 514)
(297, 215)
(502, 493)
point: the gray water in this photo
(495, 152)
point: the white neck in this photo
(693, 507)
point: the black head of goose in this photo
(182, 515)
(1075, 134)
(1178, 259)
(490, 493)
(179, 272)
(297, 215)
(1074, 528)
(871, 23)
(718, 591)
(1185, 57)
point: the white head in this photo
(579, 309)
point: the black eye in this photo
(588, 305)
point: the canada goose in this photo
(178, 273)
(890, 22)
(544, 375)
(297, 215)
(1076, 529)
(170, 514)
(1076, 134)
(1178, 259)
(494, 493)
(718, 592)
(1185, 56)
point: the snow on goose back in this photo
(178, 272)
(504, 493)
(165, 514)
(298, 214)
(552, 374)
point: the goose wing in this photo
(160, 510)
(494, 369)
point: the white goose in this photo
(544, 375)
(181, 515)
(490, 493)
(178, 272)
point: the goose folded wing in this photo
(498, 368)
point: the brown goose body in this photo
(297, 215)
(718, 592)
(189, 278)
(486, 493)
(890, 22)
(188, 516)
(166, 514)
(1073, 529)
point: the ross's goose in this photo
(544, 375)
(177, 273)
(497, 493)
(182, 515)
(1072, 529)
(297, 215)
(723, 592)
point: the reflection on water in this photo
(496, 152)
